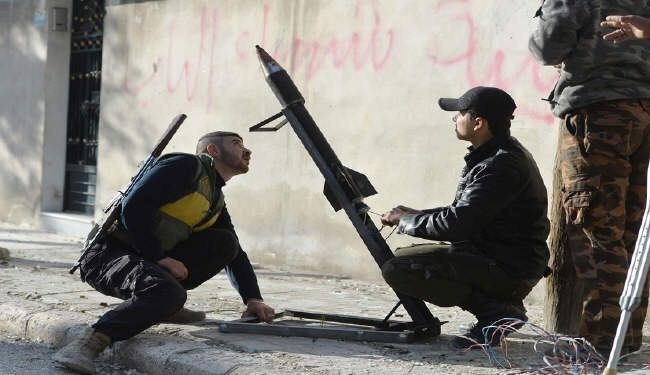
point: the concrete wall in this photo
(370, 72)
(33, 64)
(57, 78)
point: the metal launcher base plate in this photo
(333, 326)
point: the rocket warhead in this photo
(269, 65)
(279, 80)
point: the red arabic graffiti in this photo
(493, 69)
(368, 47)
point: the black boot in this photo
(185, 316)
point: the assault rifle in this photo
(114, 208)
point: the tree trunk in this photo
(563, 302)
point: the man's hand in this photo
(409, 210)
(257, 307)
(175, 267)
(628, 27)
(392, 217)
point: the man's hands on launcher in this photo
(175, 267)
(392, 217)
(257, 307)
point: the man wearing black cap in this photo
(496, 225)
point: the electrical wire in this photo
(382, 226)
(560, 354)
(391, 233)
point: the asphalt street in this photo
(41, 301)
(21, 357)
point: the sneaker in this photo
(472, 339)
(490, 330)
(184, 316)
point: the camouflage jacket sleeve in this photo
(557, 32)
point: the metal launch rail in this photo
(344, 188)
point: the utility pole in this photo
(564, 291)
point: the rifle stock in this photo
(114, 208)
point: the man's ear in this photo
(479, 123)
(212, 149)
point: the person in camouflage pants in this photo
(604, 161)
(603, 100)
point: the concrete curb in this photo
(41, 323)
(148, 353)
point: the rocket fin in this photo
(360, 182)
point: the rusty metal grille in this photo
(83, 105)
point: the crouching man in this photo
(497, 224)
(174, 234)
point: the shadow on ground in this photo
(21, 262)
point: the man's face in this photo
(464, 125)
(233, 154)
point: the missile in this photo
(355, 184)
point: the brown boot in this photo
(184, 316)
(79, 355)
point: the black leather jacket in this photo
(499, 210)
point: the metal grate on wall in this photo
(83, 105)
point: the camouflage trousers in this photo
(604, 159)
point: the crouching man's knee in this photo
(173, 298)
(394, 275)
(416, 280)
(229, 246)
(223, 245)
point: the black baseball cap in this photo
(488, 102)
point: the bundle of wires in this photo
(558, 354)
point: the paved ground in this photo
(39, 300)
(20, 356)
